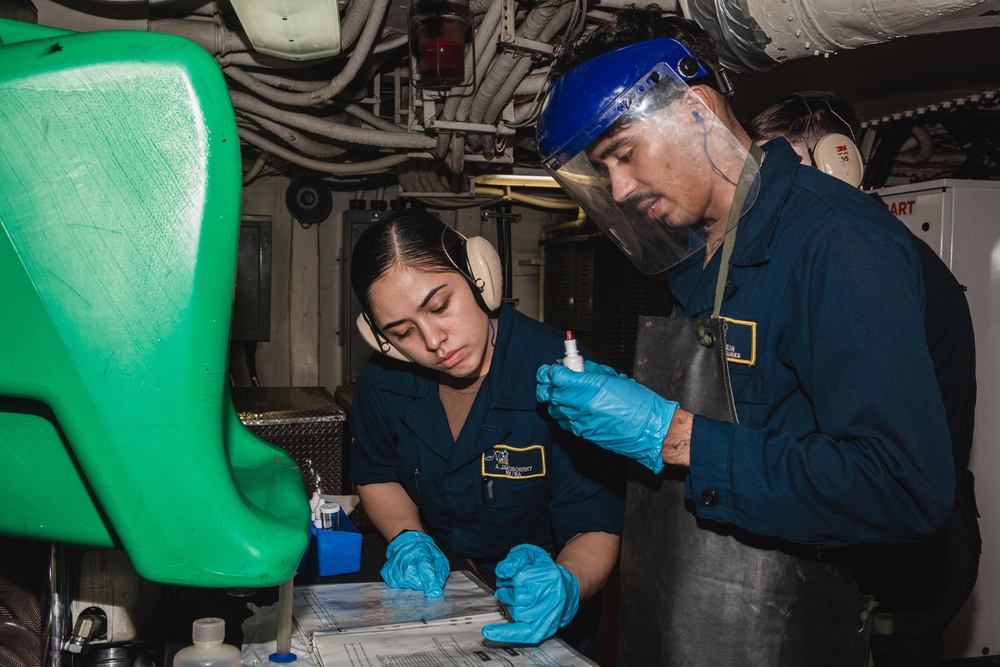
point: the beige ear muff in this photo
(837, 155)
(484, 266)
(385, 347)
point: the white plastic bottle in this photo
(208, 649)
(572, 359)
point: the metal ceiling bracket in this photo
(508, 33)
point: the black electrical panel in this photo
(252, 297)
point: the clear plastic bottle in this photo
(208, 649)
(572, 359)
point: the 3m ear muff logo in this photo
(741, 341)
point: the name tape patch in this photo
(514, 462)
(741, 341)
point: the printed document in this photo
(372, 625)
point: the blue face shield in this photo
(626, 137)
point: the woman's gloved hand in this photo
(414, 561)
(608, 409)
(540, 595)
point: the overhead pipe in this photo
(358, 14)
(530, 28)
(331, 130)
(577, 223)
(337, 84)
(286, 83)
(295, 139)
(255, 59)
(390, 44)
(486, 37)
(213, 36)
(755, 36)
(918, 149)
(255, 170)
(534, 200)
(337, 169)
(524, 63)
(534, 23)
(459, 100)
(410, 181)
(355, 110)
(531, 84)
(520, 69)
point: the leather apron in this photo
(698, 593)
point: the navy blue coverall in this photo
(513, 477)
(842, 436)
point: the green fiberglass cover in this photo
(119, 216)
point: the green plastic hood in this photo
(119, 218)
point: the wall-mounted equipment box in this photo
(252, 298)
(960, 220)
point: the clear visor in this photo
(657, 175)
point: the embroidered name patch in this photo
(741, 341)
(514, 462)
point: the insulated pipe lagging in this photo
(337, 169)
(530, 28)
(358, 12)
(483, 65)
(355, 110)
(485, 37)
(296, 140)
(255, 59)
(209, 35)
(339, 82)
(520, 69)
(753, 36)
(735, 33)
(331, 130)
(531, 84)
(534, 200)
(455, 159)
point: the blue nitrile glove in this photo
(609, 410)
(540, 595)
(594, 367)
(414, 561)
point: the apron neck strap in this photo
(750, 167)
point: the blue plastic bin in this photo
(334, 551)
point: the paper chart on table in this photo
(373, 606)
(426, 646)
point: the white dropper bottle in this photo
(572, 359)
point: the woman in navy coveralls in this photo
(449, 440)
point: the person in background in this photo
(451, 448)
(795, 408)
(821, 129)
(921, 586)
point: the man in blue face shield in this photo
(788, 408)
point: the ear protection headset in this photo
(835, 153)
(478, 262)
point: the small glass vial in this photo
(572, 359)
(329, 514)
(208, 649)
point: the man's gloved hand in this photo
(608, 409)
(414, 561)
(540, 595)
